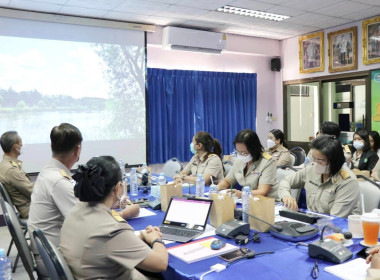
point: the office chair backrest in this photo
(227, 164)
(172, 167)
(300, 155)
(54, 261)
(17, 234)
(371, 193)
(281, 174)
(292, 159)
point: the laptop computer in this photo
(185, 218)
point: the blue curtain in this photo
(180, 103)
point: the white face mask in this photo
(270, 143)
(321, 169)
(21, 149)
(358, 145)
(245, 159)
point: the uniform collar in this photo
(8, 158)
(278, 149)
(56, 163)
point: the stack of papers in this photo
(199, 250)
(352, 270)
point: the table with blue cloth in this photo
(288, 261)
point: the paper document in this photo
(352, 270)
(199, 250)
(144, 213)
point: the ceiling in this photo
(306, 15)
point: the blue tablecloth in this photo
(288, 261)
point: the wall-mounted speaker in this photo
(275, 64)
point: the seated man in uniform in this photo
(53, 195)
(13, 178)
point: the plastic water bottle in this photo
(307, 161)
(200, 186)
(162, 179)
(213, 189)
(122, 167)
(245, 198)
(5, 266)
(133, 182)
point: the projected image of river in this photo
(36, 126)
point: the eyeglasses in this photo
(242, 153)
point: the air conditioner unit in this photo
(175, 38)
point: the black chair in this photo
(172, 167)
(18, 237)
(23, 222)
(300, 155)
(52, 258)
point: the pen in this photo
(194, 250)
(129, 202)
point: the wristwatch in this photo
(159, 240)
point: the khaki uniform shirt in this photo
(338, 196)
(17, 183)
(263, 171)
(281, 155)
(212, 165)
(100, 244)
(373, 274)
(52, 199)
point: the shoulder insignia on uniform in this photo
(266, 155)
(344, 174)
(347, 149)
(14, 163)
(64, 174)
(117, 216)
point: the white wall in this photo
(290, 55)
(243, 54)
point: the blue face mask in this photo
(192, 148)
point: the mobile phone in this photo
(234, 255)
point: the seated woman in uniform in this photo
(98, 243)
(252, 168)
(363, 158)
(277, 147)
(330, 186)
(207, 160)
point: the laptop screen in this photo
(189, 213)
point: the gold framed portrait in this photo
(343, 50)
(371, 40)
(311, 53)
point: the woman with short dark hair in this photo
(253, 167)
(98, 243)
(277, 147)
(330, 185)
(363, 157)
(207, 160)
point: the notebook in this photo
(185, 218)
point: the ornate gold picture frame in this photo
(311, 53)
(371, 40)
(343, 50)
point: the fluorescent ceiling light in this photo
(251, 13)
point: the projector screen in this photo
(91, 77)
